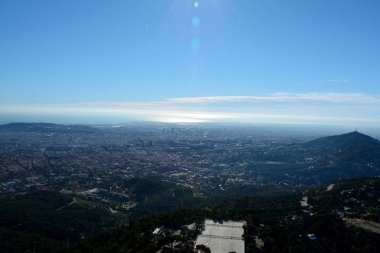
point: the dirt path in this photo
(69, 204)
(364, 224)
(330, 187)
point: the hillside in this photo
(343, 141)
(343, 156)
(351, 147)
(49, 221)
(46, 128)
(153, 196)
(281, 224)
(354, 198)
(335, 215)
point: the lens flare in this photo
(195, 43)
(196, 5)
(196, 21)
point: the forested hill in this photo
(52, 222)
(351, 147)
(344, 141)
(49, 221)
(343, 156)
(329, 221)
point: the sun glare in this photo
(181, 120)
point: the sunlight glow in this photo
(180, 120)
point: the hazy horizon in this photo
(282, 129)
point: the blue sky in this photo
(260, 61)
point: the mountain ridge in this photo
(343, 140)
(45, 127)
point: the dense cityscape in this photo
(78, 158)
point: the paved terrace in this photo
(222, 237)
